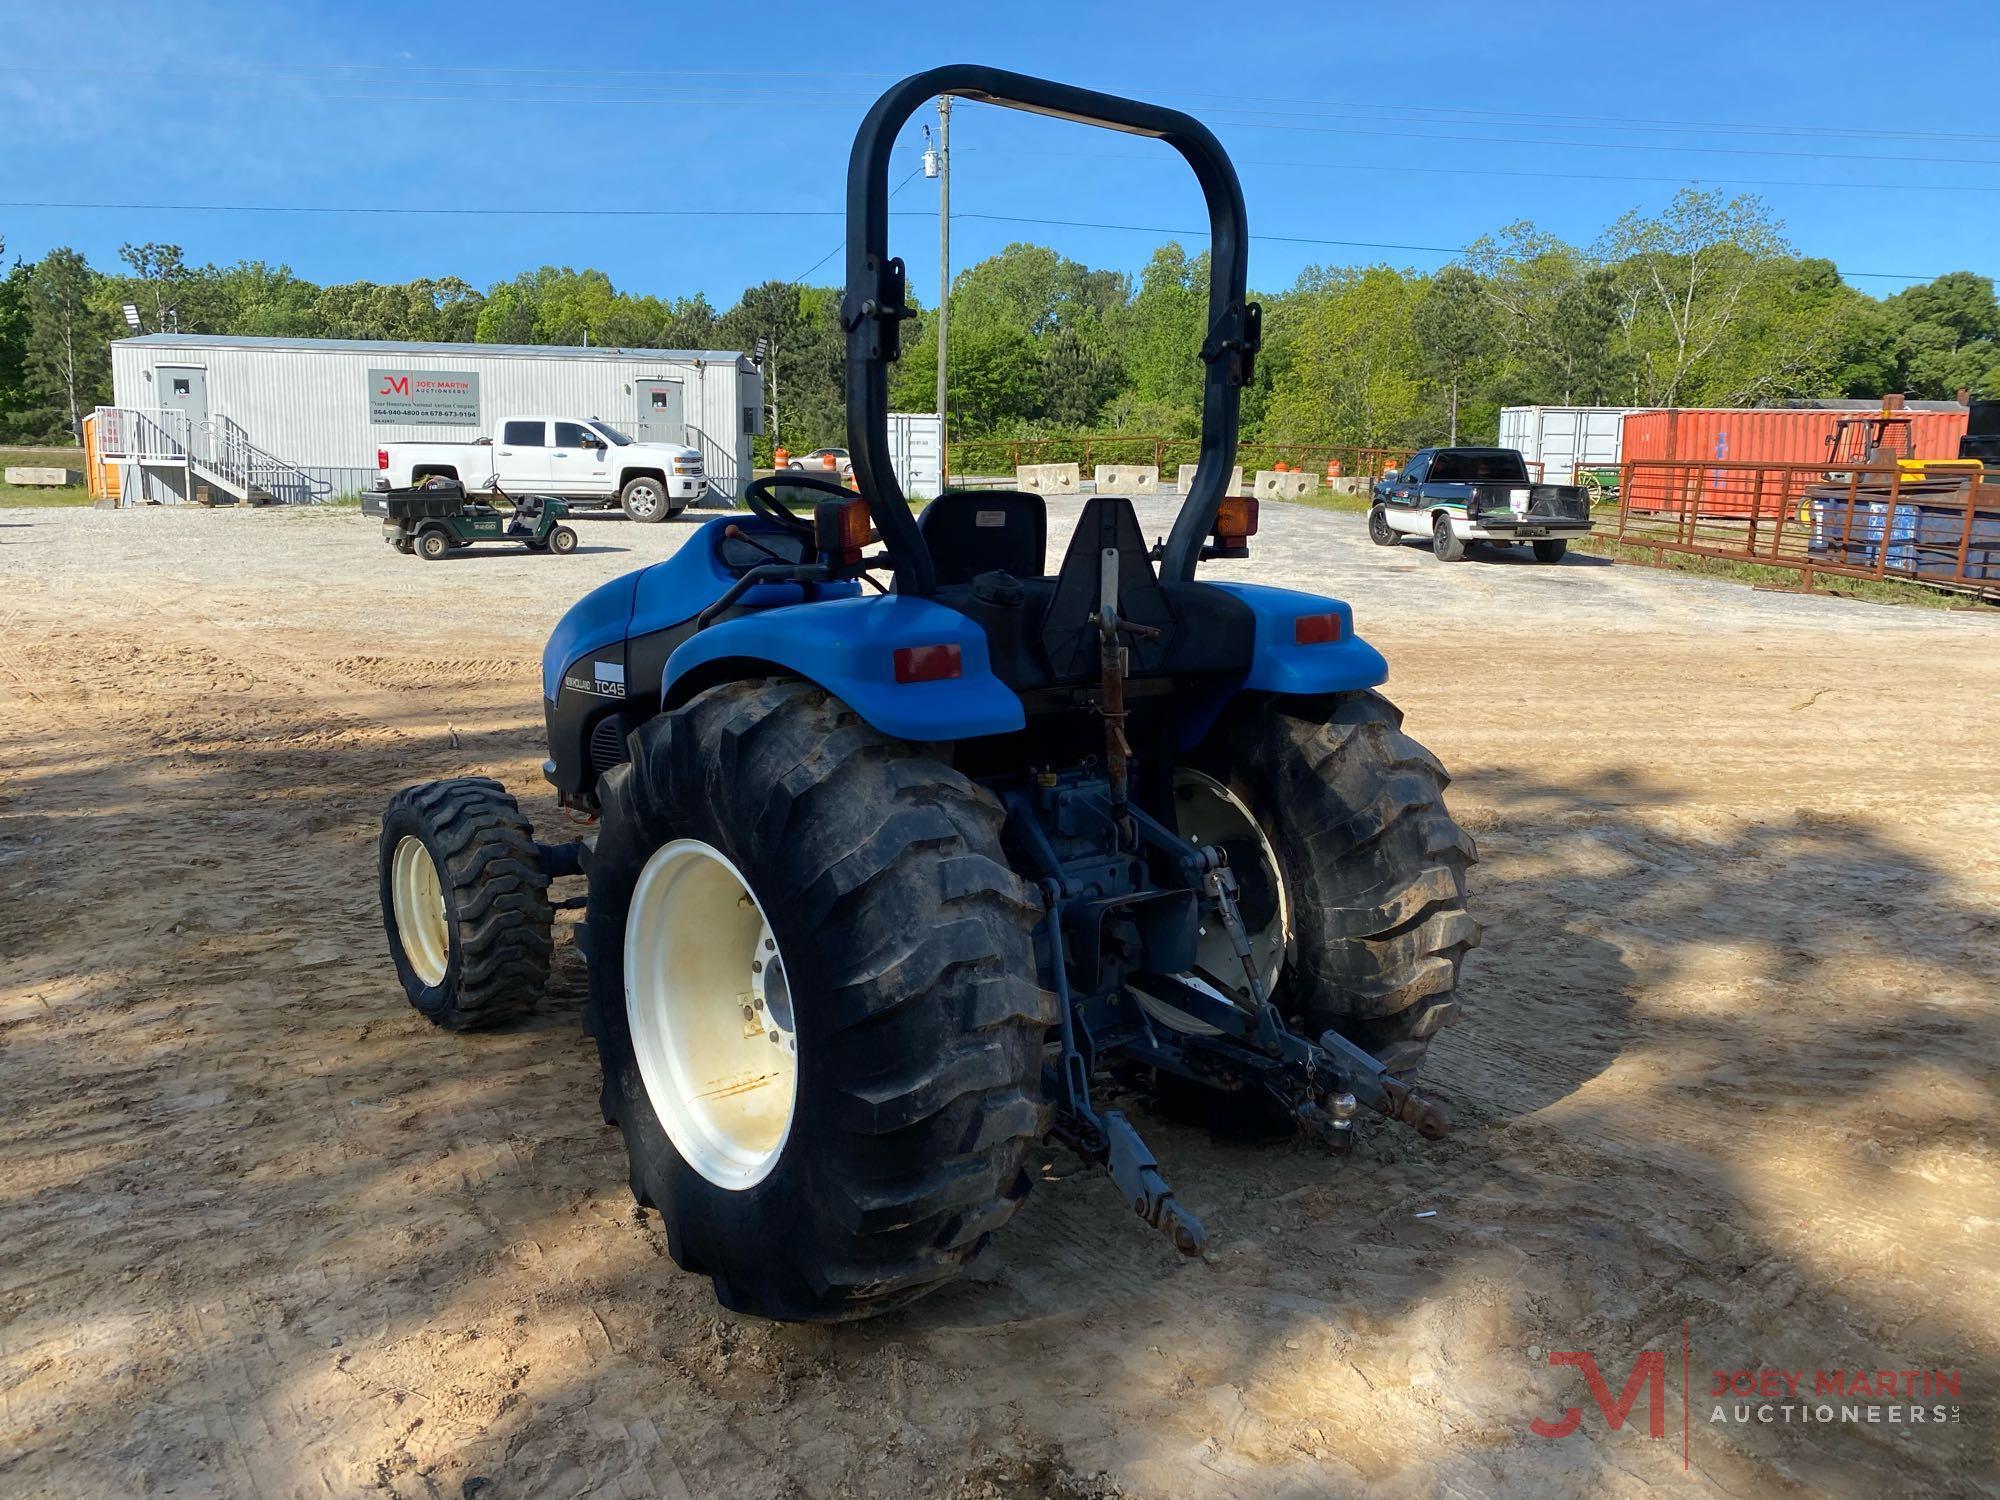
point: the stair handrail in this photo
(238, 458)
(143, 432)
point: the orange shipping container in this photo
(1768, 435)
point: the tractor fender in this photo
(848, 647)
(599, 619)
(1279, 664)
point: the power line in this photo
(842, 245)
(504, 75)
(812, 213)
(1298, 239)
(621, 95)
(1167, 159)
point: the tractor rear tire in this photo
(909, 976)
(1373, 868)
(465, 902)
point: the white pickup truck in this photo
(586, 462)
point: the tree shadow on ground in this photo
(269, 1230)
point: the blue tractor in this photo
(909, 856)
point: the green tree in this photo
(1161, 333)
(1686, 277)
(251, 297)
(1558, 317)
(1949, 335)
(13, 347)
(1453, 325)
(1356, 373)
(441, 311)
(163, 274)
(1078, 378)
(804, 361)
(69, 358)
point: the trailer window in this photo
(524, 434)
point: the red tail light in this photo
(928, 663)
(381, 458)
(1316, 630)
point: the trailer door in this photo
(662, 413)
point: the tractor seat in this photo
(970, 532)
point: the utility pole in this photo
(944, 281)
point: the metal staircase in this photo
(214, 452)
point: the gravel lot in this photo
(1727, 1075)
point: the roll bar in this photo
(875, 306)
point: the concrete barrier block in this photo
(1272, 485)
(1048, 479)
(1184, 479)
(1128, 479)
(1355, 486)
(52, 478)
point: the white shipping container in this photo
(1563, 438)
(916, 442)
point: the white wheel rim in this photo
(417, 896)
(1210, 813)
(709, 1005)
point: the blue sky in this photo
(1407, 124)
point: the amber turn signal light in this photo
(1236, 518)
(841, 529)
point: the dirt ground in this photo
(1728, 1074)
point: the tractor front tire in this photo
(1372, 867)
(765, 851)
(465, 902)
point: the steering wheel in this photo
(763, 503)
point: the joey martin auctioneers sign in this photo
(444, 398)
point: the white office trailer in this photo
(301, 419)
(1563, 439)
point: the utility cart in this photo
(438, 517)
